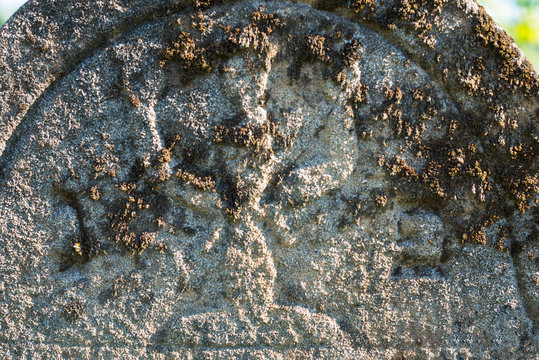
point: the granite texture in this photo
(266, 180)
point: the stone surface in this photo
(266, 180)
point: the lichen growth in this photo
(318, 49)
(188, 53)
(94, 193)
(463, 163)
(255, 137)
(514, 75)
(205, 183)
(255, 34)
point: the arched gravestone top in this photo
(266, 179)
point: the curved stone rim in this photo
(34, 53)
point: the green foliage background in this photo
(524, 28)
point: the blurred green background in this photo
(520, 18)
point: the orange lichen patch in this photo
(126, 187)
(381, 200)
(191, 55)
(134, 100)
(475, 234)
(202, 3)
(161, 247)
(357, 92)
(419, 13)
(318, 48)
(523, 188)
(405, 127)
(536, 279)
(457, 166)
(500, 246)
(251, 136)
(145, 240)
(418, 10)
(431, 176)
(127, 210)
(200, 54)
(448, 167)
(94, 193)
(201, 22)
(504, 232)
(106, 164)
(417, 94)
(165, 156)
(425, 20)
(398, 166)
(161, 174)
(359, 5)
(205, 183)
(409, 111)
(393, 94)
(233, 212)
(255, 34)
(514, 74)
(350, 52)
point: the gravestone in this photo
(266, 180)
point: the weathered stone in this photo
(267, 180)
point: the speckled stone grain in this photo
(219, 179)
